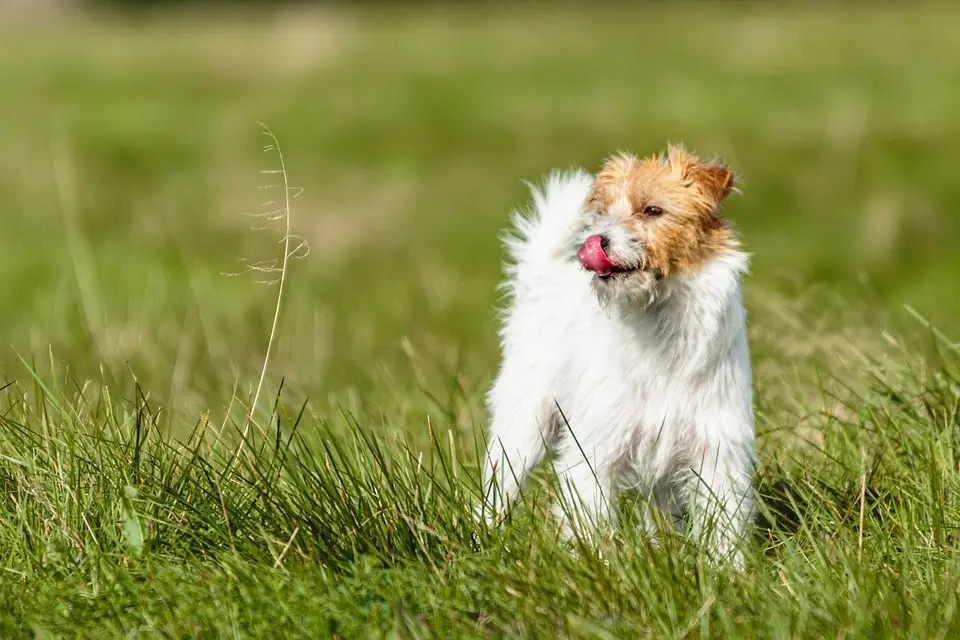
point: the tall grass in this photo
(127, 508)
(856, 535)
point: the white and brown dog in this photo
(624, 347)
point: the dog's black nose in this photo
(604, 241)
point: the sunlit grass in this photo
(130, 153)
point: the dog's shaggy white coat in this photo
(648, 392)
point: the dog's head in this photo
(648, 221)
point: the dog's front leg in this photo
(520, 432)
(587, 492)
(722, 497)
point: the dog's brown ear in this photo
(713, 179)
(616, 167)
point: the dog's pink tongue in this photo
(593, 258)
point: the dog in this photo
(624, 349)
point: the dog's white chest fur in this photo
(653, 393)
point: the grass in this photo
(130, 151)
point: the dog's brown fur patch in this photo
(691, 230)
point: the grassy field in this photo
(131, 151)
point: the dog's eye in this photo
(652, 210)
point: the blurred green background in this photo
(131, 150)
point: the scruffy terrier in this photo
(624, 349)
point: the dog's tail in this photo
(546, 233)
